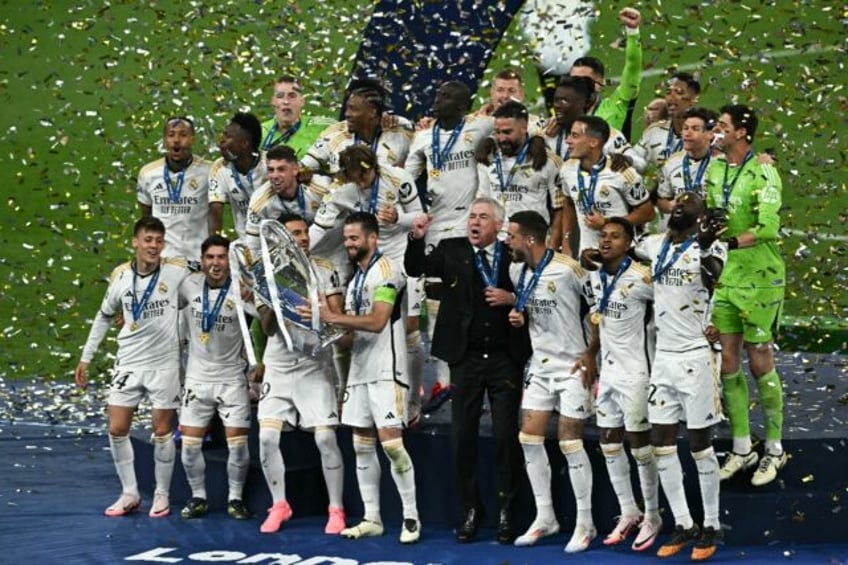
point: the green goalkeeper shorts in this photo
(752, 312)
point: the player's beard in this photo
(682, 222)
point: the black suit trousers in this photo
(499, 376)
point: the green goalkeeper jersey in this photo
(751, 194)
(613, 108)
(300, 138)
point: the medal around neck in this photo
(282, 266)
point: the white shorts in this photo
(566, 395)
(380, 404)
(202, 399)
(130, 386)
(622, 402)
(301, 393)
(685, 387)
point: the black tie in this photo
(484, 258)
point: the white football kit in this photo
(556, 334)
(684, 377)
(148, 358)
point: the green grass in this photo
(84, 88)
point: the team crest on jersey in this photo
(686, 258)
(163, 288)
(552, 287)
(229, 304)
(467, 137)
(390, 197)
(194, 184)
(604, 191)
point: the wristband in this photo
(733, 243)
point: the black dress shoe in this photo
(467, 531)
(506, 528)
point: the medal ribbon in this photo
(692, 186)
(661, 266)
(522, 292)
(208, 318)
(359, 281)
(606, 289)
(559, 144)
(439, 157)
(175, 192)
(727, 188)
(519, 159)
(490, 278)
(669, 149)
(284, 137)
(237, 178)
(138, 305)
(374, 142)
(587, 197)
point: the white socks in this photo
(123, 456)
(671, 477)
(404, 475)
(164, 452)
(368, 476)
(709, 480)
(580, 473)
(646, 465)
(238, 461)
(194, 465)
(331, 464)
(272, 459)
(618, 468)
(414, 371)
(539, 472)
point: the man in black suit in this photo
(484, 352)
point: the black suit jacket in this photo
(453, 262)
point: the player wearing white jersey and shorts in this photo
(549, 289)
(390, 194)
(238, 173)
(215, 378)
(593, 191)
(375, 398)
(298, 391)
(685, 263)
(622, 292)
(143, 293)
(175, 190)
(444, 150)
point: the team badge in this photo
(604, 191)
(552, 287)
(468, 138)
(163, 288)
(193, 184)
(229, 304)
(391, 197)
(686, 258)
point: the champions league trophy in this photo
(279, 274)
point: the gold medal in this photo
(596, 318)
(204, 337)
(434, 173)
(133, 326)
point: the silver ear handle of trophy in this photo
(272, 285)
(235, 275)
